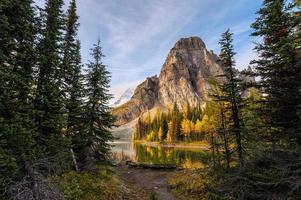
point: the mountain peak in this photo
(190, 43)
(125, 97)
(183, 78)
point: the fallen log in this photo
(151, 166)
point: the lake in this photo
(125, 149)
(137, 152)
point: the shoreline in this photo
(201, 146)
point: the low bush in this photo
(99, 185)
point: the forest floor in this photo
(144, 182)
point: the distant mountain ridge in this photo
(125, 97)
(184, 77)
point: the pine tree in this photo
(232, 91)
(70, 47)
(219, 97)
(187, 111)
(97, 116)
(17, 58)
(160, 135)
(73, 79)
(49, 101)
(75, 96)
(74, 104)
(176, 119)
(297, 40)
(279, 68)
(164, 126)
(140, 127)
(170, 136)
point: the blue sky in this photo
(137, 35)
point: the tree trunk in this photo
(74, 159)
(213, 150)
(225, 138)
(237, 132)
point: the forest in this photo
(171, 126)
(54, 113)
(255, 140)
(55, 118)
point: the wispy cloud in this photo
(136, 35)
(137, 32)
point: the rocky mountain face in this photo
(183, 78)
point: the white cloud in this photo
(142, 23)
(136, 35)
(138, 28)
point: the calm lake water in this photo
(182, 157)
(125, 149)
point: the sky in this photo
(136, 35)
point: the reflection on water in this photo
(182, 157)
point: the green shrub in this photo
(102, 185)
(153, 196)
(196, 184)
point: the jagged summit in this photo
(183, 78)
(191, 43)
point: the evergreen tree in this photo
(297, 40)
(73, 79)
(164, 126)
(219, 97)
(49, 101)
(231, 90)
(74, 104)
(279, 69)
(97, 116)
(71, 45)
(139, 129)
(170, 137)
(160, 135)
(196, 114)
(17, 58)
(75, 96)
(176, 122)
(187, 111)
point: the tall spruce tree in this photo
(73, 78)
(219, 97)
(231, 90)
(49, 101)
(70, 47)
(17, 58)
(75, 103)
(97, 116)
(297, 40)
(278, 67)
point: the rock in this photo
(145, 98)
(185, 73)
(184, 77)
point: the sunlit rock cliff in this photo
(183, 78)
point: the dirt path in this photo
(148, 180)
